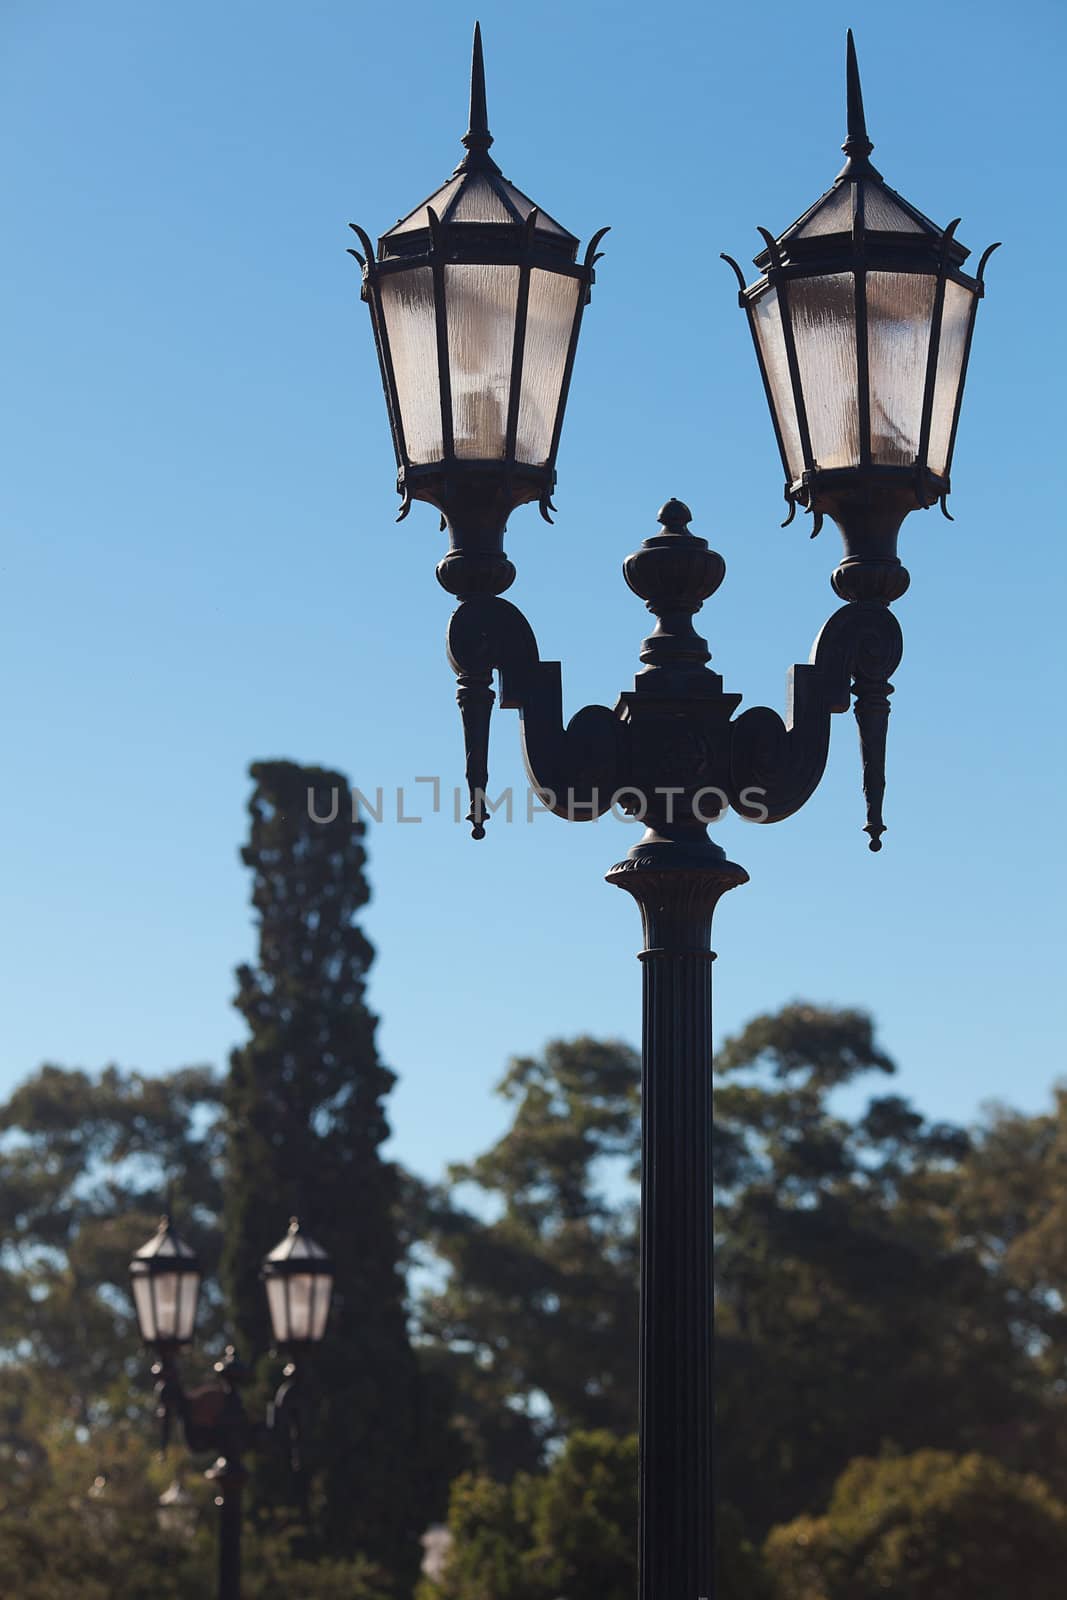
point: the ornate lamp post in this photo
(165, 1278)
(862, 321)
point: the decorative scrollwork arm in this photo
(855, 654)
(576, 768)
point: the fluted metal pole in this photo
(677, 877)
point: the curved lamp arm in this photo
(670, 742)
(575, 767)
(855, 654)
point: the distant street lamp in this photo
(165, 1279)
(862, 322)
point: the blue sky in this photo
(200, 565)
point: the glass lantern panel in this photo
(411, 328)
(833, 216)
(300, 1287)
(955, 322)
(167, 1293)
(145, 1308)
(418, 218)
(480, 301)
(479, 202)
(767, 321)
(188, 1295)
(823, 311)
(524, 205)
(882, 214)
(549, 320)
(276, 1305)
(899, 312)
(321, 1308)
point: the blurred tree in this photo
(570, 1530)
(537, 1320)
(849, 1316)
(305, 1123)
(931, 1526)
(86, 1166)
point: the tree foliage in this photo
(305, 1121)
(930, 1526)
(537, 1320)
(891, 1300)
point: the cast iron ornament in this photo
(671, 746)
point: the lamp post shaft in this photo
(677, 881)
(229, 1477)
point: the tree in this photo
(570, 1530)
(305, 1124)
(849, 1316)
(931, 1526)
(86, 1166)
(537, 1321)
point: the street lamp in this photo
(298, 1276)
(476, 300)
(165, 1279)
(862, 322)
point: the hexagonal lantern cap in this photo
(477, 191)
(861, 200)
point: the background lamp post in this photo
(862, 321)
(165, 1280)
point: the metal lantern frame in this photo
(475, 495)
(282, 1266)
(166, 1255)
(857, 251)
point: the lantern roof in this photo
(166, 1247)
(297, 1247)
(860, 205)
(477, 192)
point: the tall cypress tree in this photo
(306, 1122)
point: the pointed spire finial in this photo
(857, 142)
(857, 145)
(477, 138)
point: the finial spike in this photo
(857, 145)
(857, 125)
(477, 138)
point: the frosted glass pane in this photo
(824, 328)
(188, 1294)
(143, 1305)
(411, 324)
(899, 311)
(166, 1307)
(300, 1306)
(955, 321)
(439, 201)
(768, 323)
(480, 302)
(279, 1321)
(524, 205)
(321, 1308)
(881, 214)
(834, 216)
(549, 320)
(478, 203)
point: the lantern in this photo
(299, 1279)
(165, 1280)
(476, 300)
(862, 322)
